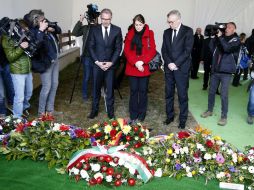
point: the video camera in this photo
(13, 29)
(212, 30)
(51, 24)
(92, 13)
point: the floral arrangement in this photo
(198, 153)
(119, 131)
(42, 139)
(110, 166)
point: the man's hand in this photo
(50, 29)
(219, 34)
(201, 62)
(43, 25)
(81, 18)
(24, 45)
(107, 65)
(172, 67)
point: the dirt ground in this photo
(76, 113)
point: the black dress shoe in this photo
(168, 121)
(181, 126)
(111, 116)
(93, 114)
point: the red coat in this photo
(147, 53)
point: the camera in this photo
(51, 24)
(92, 13)
(212, 29)
(14, 30)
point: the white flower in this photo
(121, 162)
(132, 170)
(244, 167)
(19, 120)
(251, 151)
(181, 151)
(251, 169)
(136, 138)
(56, 127)
(186, 149)
(107, 129)
(74, 170)
(174, 154)
(177, 151)
(109, 178)
(214, 155)
(139, 177)
(147, 134)
(124, 180)
(201, 170)
(149, 162)
(97, 175)
(158, 172)
(150, 150)
(95, 167)
(187, 169)
(234, 157)
(98, 130)
(1, 128)
(220, 175)
(229, 151)
(34, 123)
(223, 148)
(112, 164)
(145, 152)
(183, 165)
(219, 142)
(1, 137)
(63, 133)
(207, 156)
(189, 174)
(143, 139)
(84, 174)
(7, 120)
(126, 129)
(200, 147)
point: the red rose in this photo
(118, 183)
(110, 171)
(115, 160)
(97, 135)
(141, 135)
(108, 159)
(101, 158)
(92, 181)
(80, 133)
(114, 123)
(136, 129)
(113, 133)
(79, 165)
(131, 182)
(87, 166)
(98, 180)
(196, 155)
(183, 134)
(104, 168)
(209, 143)
(105, 123)
(128, 138)
(64, 128)
(137, 145)
(118, 176)
(20, 128)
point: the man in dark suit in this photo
(196, 53)
(105, 46)
(176, 52)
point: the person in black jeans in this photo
(225, 55)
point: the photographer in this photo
(46, 36)
(83, 30)
(226, 49)
(20, 68)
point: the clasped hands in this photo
(104, 65)
(172, 67)
(139, 65)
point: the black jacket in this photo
(225, 54)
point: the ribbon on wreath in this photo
(135, 161)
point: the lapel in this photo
(180, 33)
(111, 33)
(100, 32)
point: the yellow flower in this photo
(98, 130)
(126, 129)
(178, 141)
(240, 159)
(95, 126)
(117, 128)
(217, 138)
(151, 142)
(170, 151)
(193, 172)
(106, 137)
(241, 178)
(167, 160)
(143, 140)
(107, 129)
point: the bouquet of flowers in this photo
(119, 132)
(109, 165)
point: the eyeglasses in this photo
(106, 19)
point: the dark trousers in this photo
(181, 81)
(206, 76)
(87, 74)
(224, 80)
(101, 78)
(195, 67)
(138, 97)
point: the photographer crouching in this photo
(48, 53)
(225, 48)
(20, 69)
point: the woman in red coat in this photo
(139, 49)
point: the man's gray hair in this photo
(106, 11)
(34, 15)
(174, 12)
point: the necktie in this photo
(174, 36)
(106, 36)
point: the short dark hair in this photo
(232, 24)
(139, 18)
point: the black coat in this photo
(180, 51)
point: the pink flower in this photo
(220, 159)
